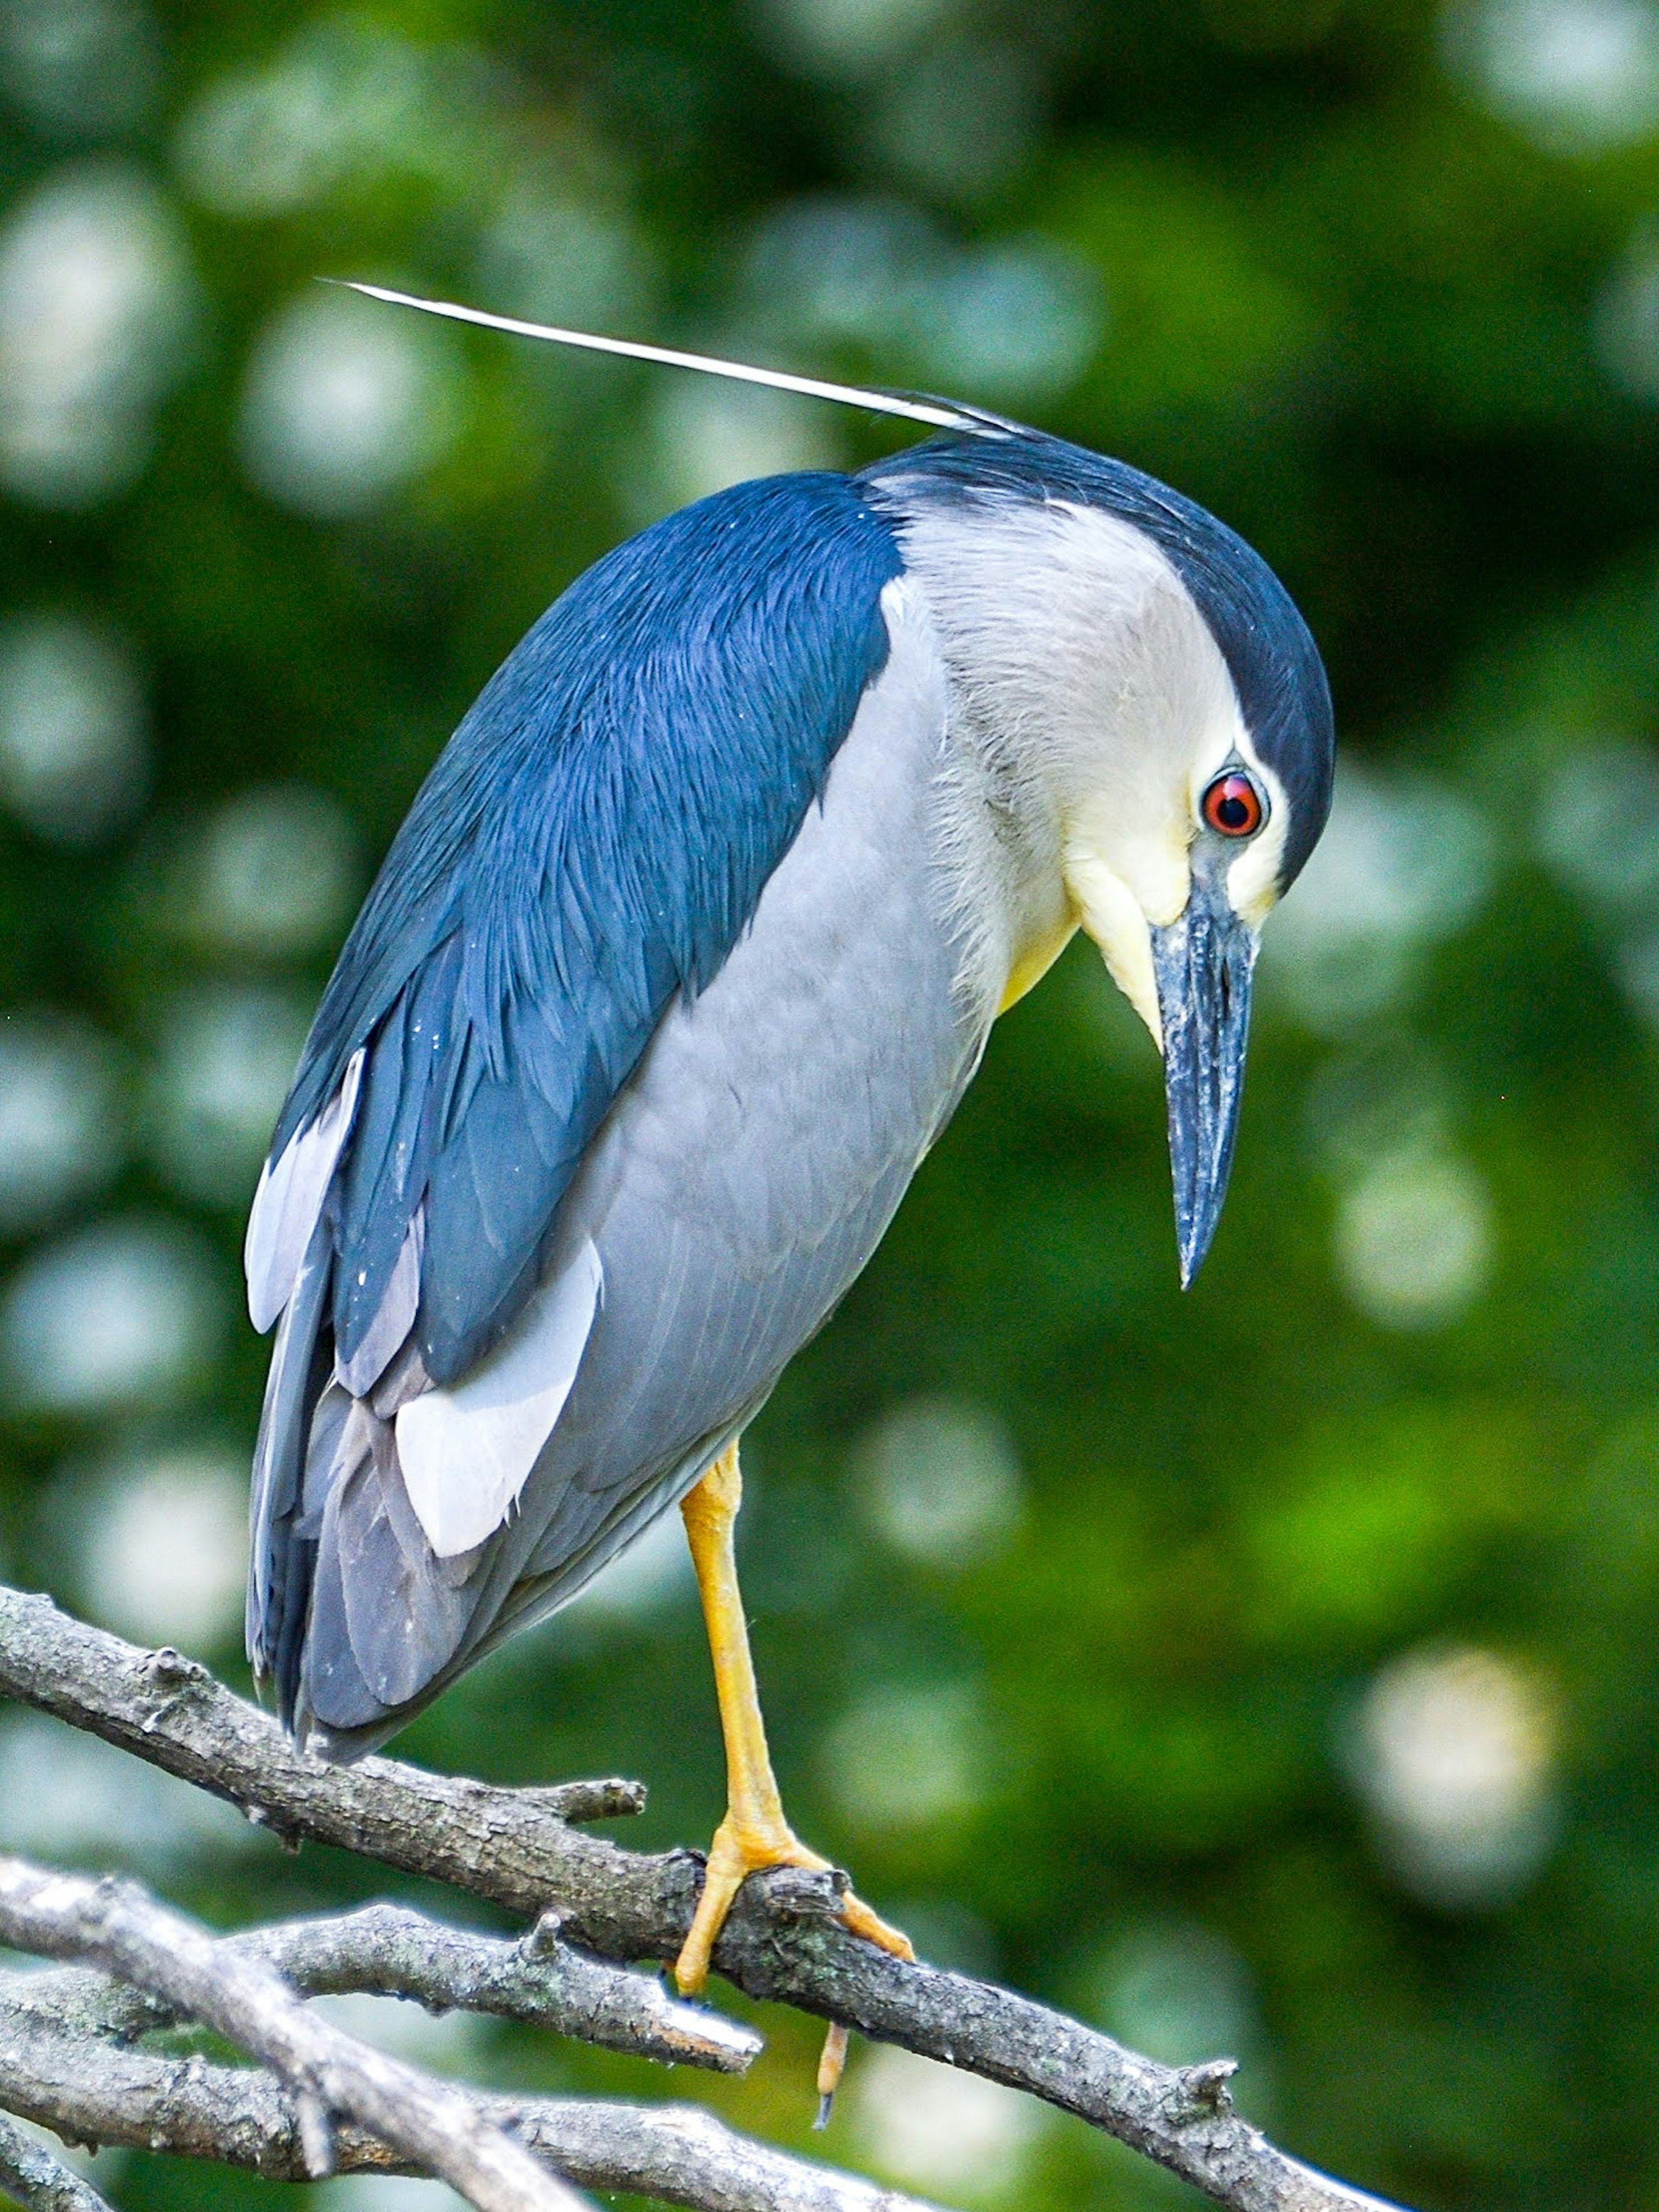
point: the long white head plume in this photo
(936, 413)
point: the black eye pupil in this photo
(1232, 806)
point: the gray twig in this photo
(38, 2182)
(784, 1940)
(439, 2129)
(387, 1950)
(676, 2153)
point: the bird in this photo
(683, 957)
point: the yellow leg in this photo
(754, 1833)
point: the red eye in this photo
(1232, 806)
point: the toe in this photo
(721, 1884)
(874, 1929)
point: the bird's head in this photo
(1148, 715)
(1153, 719)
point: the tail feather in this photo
(386, 1613)
(350, 1614)
(300, 1362)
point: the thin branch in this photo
(677, 2153)
(438, 2128)
(783, 1939)
(388, 1950)
(38, 2182)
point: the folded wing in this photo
(589, 848)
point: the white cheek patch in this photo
(466, 1453)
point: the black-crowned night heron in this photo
(682, 958)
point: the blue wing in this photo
(593, 842)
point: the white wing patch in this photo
(467, 1453)
(290, 1197)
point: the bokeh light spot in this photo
(1019, 319)
(73, 757)
(60, 1119)
(122, 1313)
(1627, 322)
(705, 435)
(163, 1547)
(446, 2042)
(80, 69)
(72, 1797)
(846, 39)
(961, 118)
(1578, 76)
(382, 2192)
(650, 1573)
(273, 874)
(939, 1482)
(1454, 1756)
(875, 279)
(904, 1757)
(346, 96)
(550, 256)
(1414, 1240)
(227, 1055)
(96, 305)
(1179, 1992)
(346, 401)
(1597, 826)
(934, 2127)
(1403, 863)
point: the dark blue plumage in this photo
(593, 839)
(1268, 649)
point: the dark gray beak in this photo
(1202, 962)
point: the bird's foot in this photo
(741, 1848)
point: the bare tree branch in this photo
(244, 2118)
(513, 1846)
(38, 2182)
(784, 1939)
(387, 1950)
(437, 2127)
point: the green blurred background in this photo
(1269, 1670)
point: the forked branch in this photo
(520, 1850)
(237, 2116)
(438, 2130)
